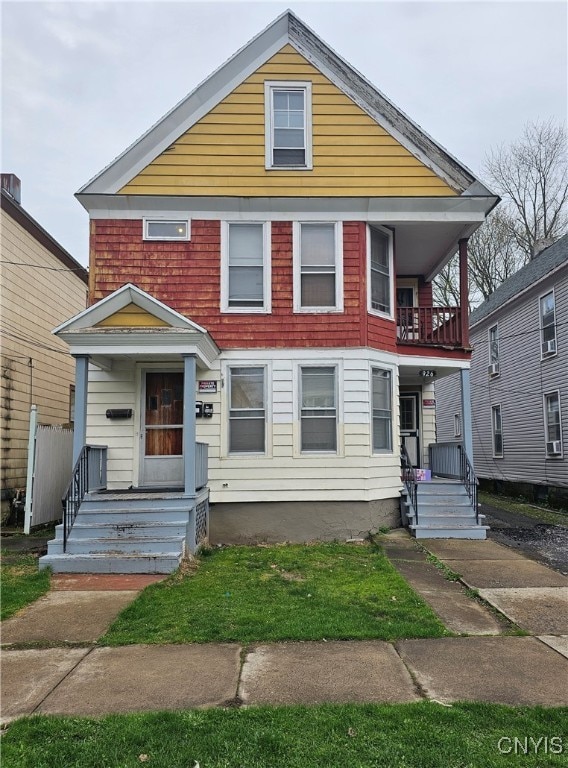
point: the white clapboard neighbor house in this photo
(519, 382)
(261, 336)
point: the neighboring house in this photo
(263, 257)
(41, 284)
(519, 381)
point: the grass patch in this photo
(270, 594)
(542, 514)
(22, 582)
(422, 735)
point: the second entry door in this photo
(162, 429)
(409, 426)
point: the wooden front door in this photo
(162, 429)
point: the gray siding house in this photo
(519, 382)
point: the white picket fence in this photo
(50, 453)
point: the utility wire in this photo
(42, 266)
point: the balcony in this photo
(430, 326)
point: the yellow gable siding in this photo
(223, 153)
(131, 316)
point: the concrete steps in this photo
(159, 562)
(444, 512)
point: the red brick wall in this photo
(186, 276)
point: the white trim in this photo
(457, 425)
(324, 362)
(166, 220)
(296, 258)
(392, 277)
(391, 369)
(493, 432)
(270, 86)
(407, 282)
(544, 355)
(266, 269)
(225, 409)
(546, 434)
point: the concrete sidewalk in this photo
(484, 666)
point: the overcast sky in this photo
(82, 80)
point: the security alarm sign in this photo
(207, 386)
(428, 403)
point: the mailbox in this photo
(198, 408)
(208, 410)
(119, 413)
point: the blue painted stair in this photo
(444, 511)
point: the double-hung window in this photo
(493, 350)
(380, 270)
(497, 431)
(552, 424)
(247, 410)
(245, 283)
(382, 410)
(548, 324)
(318, 408)
(318, 267)
(288, 125)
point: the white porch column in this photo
(466, 413)
(189, 387)
(81, 387)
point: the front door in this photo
(162, 429)
(410, 426)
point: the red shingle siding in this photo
(424, 293)
(187, 276)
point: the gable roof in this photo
(286, 29)
(542, 265)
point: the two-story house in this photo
(40, 285)
(519, 382)
(261, 282)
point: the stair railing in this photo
(469, 480)
(89, 474)
(409, 478)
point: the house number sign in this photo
(427, 374)
(207, 386)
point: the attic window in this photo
(166, 229)
(288, 125)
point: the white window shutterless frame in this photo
(318, 408)
(380, 279)
(318, 266)
(288, 125)
(247, 409)
(166, 229)
(245, 267)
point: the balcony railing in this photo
(429, 326)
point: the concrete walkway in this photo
(483, 666)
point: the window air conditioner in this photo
(549, 347)
(493, 369)
(554, 448)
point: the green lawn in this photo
(22, 583)
(422, 735)
(294, 592)
(544, 515)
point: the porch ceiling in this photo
(409, 374)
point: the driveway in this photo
(545, 542)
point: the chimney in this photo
(541, 245)
(12, 186)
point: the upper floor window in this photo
(548, 324)
(245, 274)
(380, 270)
(552, 424)
(382, 410)
(288, 124)
(494, 350)
(318, 267)
(166, 229)
(247, 410)
(318, 408)
(497, 431)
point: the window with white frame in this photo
(245, 257)
(382, 410)
(318, 267)
(493, 350)
(457, 425)
(552, 424)
(247, 409)
(548, 324)
(380, 270)
(166, 229)
(497, 431)
(318, 409)
(288, 124)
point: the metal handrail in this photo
(409, 478)
(89, 474)
(469, 480)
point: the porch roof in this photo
(173, 335)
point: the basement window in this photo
(166, 229)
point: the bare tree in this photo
(532, 177)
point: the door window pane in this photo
(247, 410)
(318, 418)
